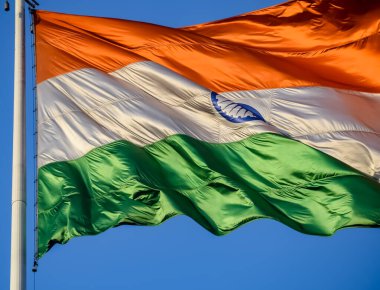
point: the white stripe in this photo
(145, 102)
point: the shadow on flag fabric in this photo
(270, 114)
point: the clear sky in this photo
(178, 254)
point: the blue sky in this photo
(178, 254)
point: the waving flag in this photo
(270, 114)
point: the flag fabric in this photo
(270, 114)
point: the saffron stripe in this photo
(257, 50)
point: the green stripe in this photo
(220, 186)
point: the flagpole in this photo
(18, 230)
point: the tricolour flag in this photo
(270, 114)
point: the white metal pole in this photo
(18, 235)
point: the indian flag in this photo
(270, 114)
